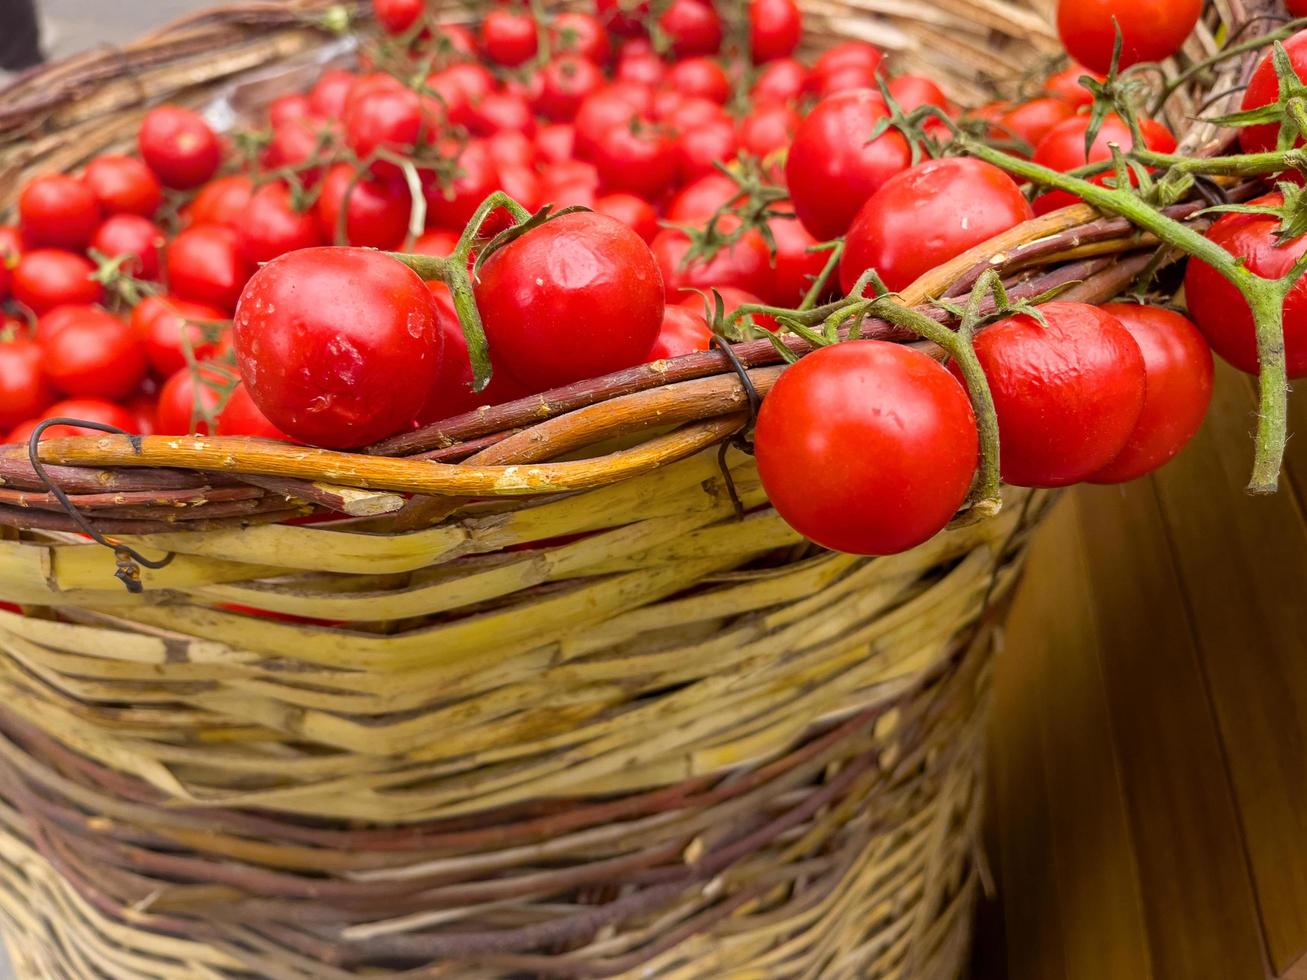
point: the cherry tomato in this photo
(866, 447)
(185, 407)
(1065, 85)
(223, 201)
(1297, 8)
(633, 155)
(622, 16)
(452, 204)
(572, 182)
(48, 277)
(1221, 311)
(705, 304)
(793, 267)
(382, 118)
(701, 199)
(683, 331)
(376, 211)
(847, 65)
(330, 92)
(634, 212)
(1032, 121)
(241, 417)
(701, 77)
(123, 185)
(94, 355)
(1178, 365)
(1150, 31)
(701, 149)
(564, 84)
(578, 297)
(1264, 89)
(298, 142)
(288, 108)
(178, 145)
(1063, 148)
(56, 211)
(82, 410)
(397, 16)
(914, 91)
(832, 167)
(25, 391)
(783, 80)
(131, 235)
(205, 264)
(927, 215)
(53, 319)
(513, 149)
(581, 34)
(744, 264)
(508, 37)
(768, 128)
(144, 410)
(163, 321)
(775, 27)
(338, 346)
(556, 142)
(273, 226)
(500, 111)
(692, 26)
(1067, 393)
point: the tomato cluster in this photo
(237, 283)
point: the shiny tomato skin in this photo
(744, 265)
(25, 391)
(634, 212)
(330, 92)
(205, 264)
(1067, 394)
(683, 331)
(849, 64)
(1033, 120)
(700, 199)
(832, 168)
(768, 128)
(1264, 89)
(285, 108)
(1151, 31)
(452, 205)
(298, 142)
(793, 267)
(376, 211)
(273, 226)
(94, 355)
(241, 417)
(914, 91)
(1065, 85)
(565, 82)
(927, 215)
(866, 447)
(439, 242)
(338, 346)
(1220, 310)
(775, 27)
(1178, 364)
(692, 26)
(397, 16)
(572, 32)
(223, 201)
(1063, 148)
(130, 234)
(575, 298)
(85, 410)
(48, 277)
(508, 37)
(160, 321)
(123, 185)
(52, 320)
(639, 160)
(382, 118)
(57, 211)
(783, 80)
(702, 77)
(700, 150)
(179, 146)
(185, 407)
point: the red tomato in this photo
(48, 277)
(564, 84)
(462, 86)
(205, 264)
(523, 185)
(144, 410)
(52, 320)
(513, 149)
(1297, 8)
(783, 80)
(273, 226)
(701, 199)
(927, 215)
(1149, 31)
(178, 145)
(578, 297)
(913, 91)
(130, 234)
(452, 205)
(287, 108)
(82, 410)
(12, 245)
(123, 185)
(1063, 148)
(1220, 310)
(743, 265)
(692, 27)
(637, 64)
(1178, 366)
(1068, 395)
(223, 201)
(185, 407)
(775, 27)
(440, 242)
(508, 37)
(1065, 85)
(58, 212)
(634, 212)
(25, 391)
(556, 142)
(1032, 121)
(732, 299)
(300, 141)
(866, 447)
(622, 16)
(793, 267)
(832, 168)
(241, 417)
(701, 77)
(376, 211)
(500, 111)
(632, 155)
(397, 16)
(701, 149)
(683, 331)
(768, 128)
(1264, 89)
(382, 118)
(162, 321)
(581, 34)
(330, 92)
(94, 355)
(569, 183)
(338, 346)
(847, 65)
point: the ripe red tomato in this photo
(94, 355)
(273, 226)
(701, 78)
(683, 331)
(744, 265)
(25, 391)
(501, 111)
(58, 212)
(508, 37)
(397, 16)
(1149, 31)
(48, 277)
(1065, 85)
(622, 16)
(556, 142)
(630, 152)
(634, 212)
(205, 264)
(223, 201)
(330, 92)
(241, 417)
(513, 149)
(775, 27)
(338, 346)
(866, 447)
(288, 108)
(83, 410)
(440, 242)
(692, 27)
(185, 407)
(1221, 311)
(639, 64)
(522, 184)
(52, 320)
(565, 82)
(847, 65)
(701, 149)
(1264, 89)
(1297, 8)
(130, 234)
(572, 182)
(376, 211)
(783, 80)
(123, 185)
(382, 118)
(1032, 121)
(1063, 148)
(699, 200)
(298, 142)
(927, 215)
(913, 91)
(793, 267)
(832, 168)
(704, 304)
(768, 128)
(452, 205)
(1068, 394)
(578, 297)
(1178, 365)
(178, 145)
(571, 32)
(162, 321)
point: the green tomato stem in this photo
(1236, 165)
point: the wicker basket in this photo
(569, 713)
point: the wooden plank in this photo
(1243, 563)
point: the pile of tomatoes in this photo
(238, 283)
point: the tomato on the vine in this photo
(508, 37)
(376, 212)
(1065, 85)
(186, 406)
(1264, 89)
(775, 27)
(634, 212)
(397, 16)
(168, 325)
(137, 238)
(572, 32)
(241, 417)
(1063, 148)
(783, 80)
(700, 77)
(48, 277)
(222, 202)
(57, 211)
(123, 185)
(683, 331)
(1032, 121)
(205, 263)
(794, 267)
(743, 263)
(179, 146)
(692, 26)
(274, 224)
(1151, 31)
